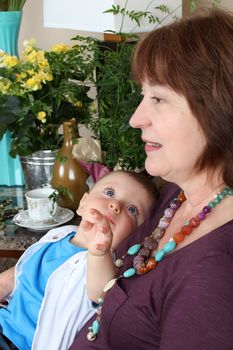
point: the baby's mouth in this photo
(110, 220)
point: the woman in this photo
(186, 119)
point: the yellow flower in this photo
(5, 87)
(9, 61)
(31, 43)
(79, 104)
(60, 48)
(33, 83)
(21, 76)
(41, 116)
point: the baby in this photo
(48, 298)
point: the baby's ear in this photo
(81, 204)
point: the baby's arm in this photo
(7, 279)
(100, 265)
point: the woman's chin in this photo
(152, 169)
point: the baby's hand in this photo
(98, 233)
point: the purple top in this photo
(185, 303)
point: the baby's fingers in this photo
(86, 225)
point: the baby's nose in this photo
(115, 206)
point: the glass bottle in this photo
(67, 173)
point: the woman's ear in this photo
(81, 204)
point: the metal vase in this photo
(38, 169)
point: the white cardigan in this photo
(65, 307)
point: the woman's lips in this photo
(152, 146)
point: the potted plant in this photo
(40, 91)
(118, 95)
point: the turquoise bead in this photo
(169, 246)
(230, 192)
(134, 249)
(159, 255)
(95, 327)
(129, 273)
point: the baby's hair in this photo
(142, 179)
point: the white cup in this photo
(40, 207)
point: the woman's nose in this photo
(138, 119)
(115, 206)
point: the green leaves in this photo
(118, 98)
(12, 5)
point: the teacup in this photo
(40, 206)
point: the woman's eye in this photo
(157, 99)
(109, 192)
(132, 210)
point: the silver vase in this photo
(38, 169)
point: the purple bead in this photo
(138, 259)
(158, 233)
(163, 223)
(144, 252)
(206, 209)
(150, 243)
(169, 212)
(175, 204)
(201, 215)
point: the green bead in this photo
(129, 273)
(230, 192)
(212, 204)
(134, 249)
(217, 200)
(221, 195)
(225, 190)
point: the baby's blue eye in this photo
(109, 192)
(133, 210)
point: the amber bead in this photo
(181, 197)
(186, 230)
(178, 237)
(142, 270)
(194, 222)
(151, 264)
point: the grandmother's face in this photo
(173, 138)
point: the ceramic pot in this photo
(68, 174)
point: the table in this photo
(14, 239)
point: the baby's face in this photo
(122, 200)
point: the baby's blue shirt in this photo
(19, 319)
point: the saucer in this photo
(22, 219)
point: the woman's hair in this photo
(194, 57)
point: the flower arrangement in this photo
(41, 90)
(12, 5)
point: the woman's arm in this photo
(7, 279)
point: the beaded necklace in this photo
(146, 254)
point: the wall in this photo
(32, 26)
(226, 4)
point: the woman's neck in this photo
(200, 189)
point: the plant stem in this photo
(123, 17)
